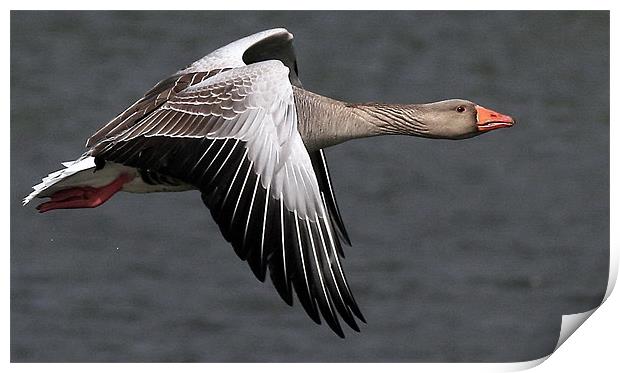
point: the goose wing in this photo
(234, 136)
(274, 44)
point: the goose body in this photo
(238, 126)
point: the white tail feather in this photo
(72, 168)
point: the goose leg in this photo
(84, 196)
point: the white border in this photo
(592, 343)
(318, 5)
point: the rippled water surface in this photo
(463, 250)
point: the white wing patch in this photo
(253, 104)
(231, 55)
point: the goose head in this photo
(459, 119)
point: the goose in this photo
(238, 126)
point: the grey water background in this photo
(462, 250)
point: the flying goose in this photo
(238, 126)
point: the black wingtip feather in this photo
(282, 285)
(342, 232)
(241, 223)
(296, 263)
(321, 291)
(358, 313)
(321, 170)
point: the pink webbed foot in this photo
(84, 196)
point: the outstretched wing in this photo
(234, 136)
(274, 44)
(151, 100)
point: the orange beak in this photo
(489, 120)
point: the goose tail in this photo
(61, 178)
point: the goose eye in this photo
(460, 109)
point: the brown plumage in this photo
(237, 126)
